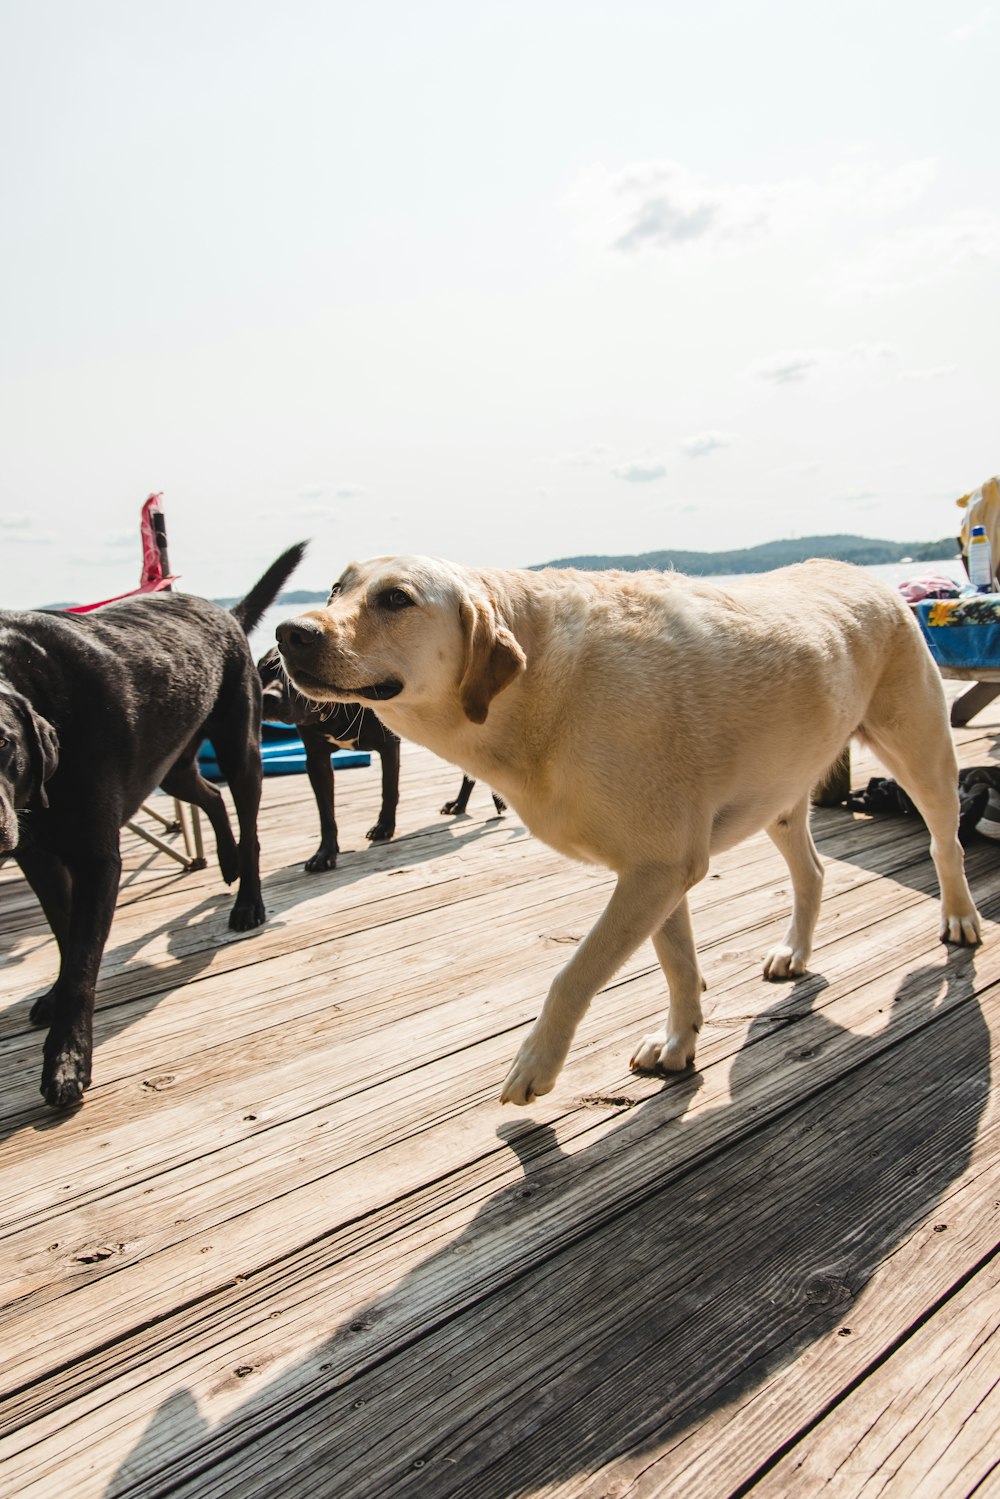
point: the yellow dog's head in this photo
(415, 630)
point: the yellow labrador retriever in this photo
(646, 721)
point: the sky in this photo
(500, 282)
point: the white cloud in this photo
(857, 497)
(663, 206)
(866, 188)
(662, 218)
(812, 466)
(935, 372)
(318, 501)
(586, 457)
(23, 530)
(969, 28)
(304, 512)
(789, 366)
(917, 257)
(98, 560)
(703, 443)
(874, 351)
(640, 472)
(124, 541)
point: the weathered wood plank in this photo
(375, 1184)
(924, 1423)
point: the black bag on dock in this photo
(978, 801)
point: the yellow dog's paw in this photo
(532, 1074)
(962, 928)
(784, 962)
(665, 1053)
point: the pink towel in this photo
(929, 587)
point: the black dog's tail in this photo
(250, 611)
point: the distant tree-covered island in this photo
(864, 550)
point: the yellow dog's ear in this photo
(493, 658)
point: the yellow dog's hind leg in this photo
(907, 727)
(791, 837)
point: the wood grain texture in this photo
(292, 1244)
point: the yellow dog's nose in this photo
(298, 638)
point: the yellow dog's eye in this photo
(395, 599)
(334, 591)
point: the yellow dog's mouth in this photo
(379, 691)
(324, 692)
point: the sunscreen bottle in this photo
(980, 560)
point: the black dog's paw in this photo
(452, 809)
(500, 804)
(65, 1074)
(381, 832)
(229, 863)
(42, 1010)
(323, 858)
(246, 914)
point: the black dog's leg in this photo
(69, 1043)
(386, 825)
(184, 780)
(50, 879)
(238, 749)
(458, 806)
(320, 773)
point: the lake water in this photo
(892, 572)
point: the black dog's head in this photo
(29, 756)
(280, 700)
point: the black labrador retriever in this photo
(324, 727)
(96, 711)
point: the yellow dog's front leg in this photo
(641, 902)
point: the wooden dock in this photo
(292, 1245)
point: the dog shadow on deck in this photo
(290, 884)
(128, 989)
(613, 1300)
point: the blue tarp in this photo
(282, 753)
